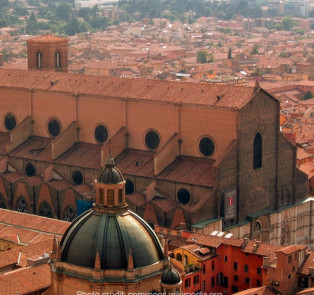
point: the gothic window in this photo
(69, 214)
(2, 202)
(152, 139)
(285, 236)
(58, 59)
(101, 133)
(45, 210)
(206, 146)
(39, 56)
(21, 205)
(183, 196)
(54, 127)
(257, 151)
(258, 226)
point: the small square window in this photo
(246, 268)
(247, 280)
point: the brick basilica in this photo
(195, 156)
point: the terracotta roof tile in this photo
(34, 224)
(170, 92)
(213, 241)
(135, 162)
(261, 249)
(48, 38)
(309, 263)
(35, 148)
(4, 141)
(257, 291)
(291, 249)
(190, 170)
(81, 155)
(25, 280)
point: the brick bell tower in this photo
(48, 53)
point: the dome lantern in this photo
(110, 188)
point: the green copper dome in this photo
(110, 174)
(113, 235)
(170, 277)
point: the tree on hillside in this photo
(64, 12)
(254, 49)
(201, 56)
(230, 53)
(287, 23)
(308, 95)
(32, 25)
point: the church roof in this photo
(130, 89)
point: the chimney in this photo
(38, 260)
(245, 241)
(256, 245)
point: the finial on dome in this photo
(110, 159)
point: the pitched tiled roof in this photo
(25, 280)
(4, 141)
(213, 241)
(261, 249)
(35, 148)
(170, 92)
(257, 291)
(81, 155)
(291, 249)
(135, 162)
(32, 224)
(309, 263)
(48, 38)
(190, 170)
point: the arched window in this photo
(58, 59)
(39, 56)
(179, 257)
(257, 151)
